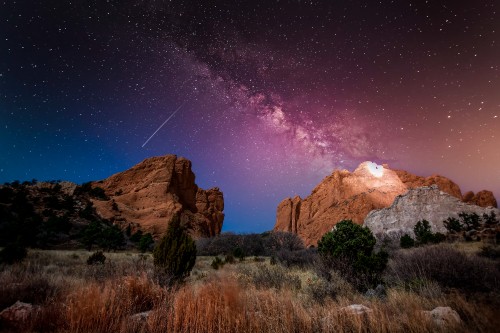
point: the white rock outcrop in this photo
(444, 316)
(417, 204)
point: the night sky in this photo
(273, 95)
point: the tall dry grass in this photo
(232, 299)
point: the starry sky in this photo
(271, 96)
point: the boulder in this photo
(140, 317)
(378, 292)
(151, 193)
(357, 309)
(443, 316)
(17, 314)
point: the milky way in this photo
(275, 94)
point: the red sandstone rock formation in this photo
(149, 194)
(481, 198)
(346, 195)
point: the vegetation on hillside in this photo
(44, 215)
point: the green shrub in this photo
(453, 225)
(111, 238)
(298, 258)
(136, 237)
(470, 221)
(175, 255)
(98, 193)
(347, 240)
(146, 242)
(96, 258)
(349, 248)
(423, 233)
(238, 253)
(90, 235)
(217, 263)
(490, 219)
(13, 253)
(406, 241)
(438, 237)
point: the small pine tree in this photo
(175, 255)
(146, 242)
(490, 219)
(423, 233)
(453, 225)
(406, 241)
(470, 221)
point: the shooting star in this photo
(159, 128)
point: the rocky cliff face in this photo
(444, 184)
(346, 195)
(342, 195)
(429, 203)
(149, 194)
(481, 198)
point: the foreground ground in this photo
(247, 296)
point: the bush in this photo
(406, 241)
(217, 263)
(438, 237)
(146, 242)
(470, 221)
(136, 237)
(175, 255)
(446, 266)
(424, 235)
(349, 249)
(490, 219)
(490, 252)
(239, 253)
(283, 241)
(13, 253)
(347, 240)
(453, 225)
(98, 193)
(111, 238)
(301, 258)
(96, 258)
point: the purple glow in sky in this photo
(275, 94)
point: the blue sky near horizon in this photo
(273, 95)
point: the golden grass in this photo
(82, 298)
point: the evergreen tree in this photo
(175, 255)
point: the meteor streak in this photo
(159, 128)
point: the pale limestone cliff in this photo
(429, 203)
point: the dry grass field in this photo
(248, 296)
